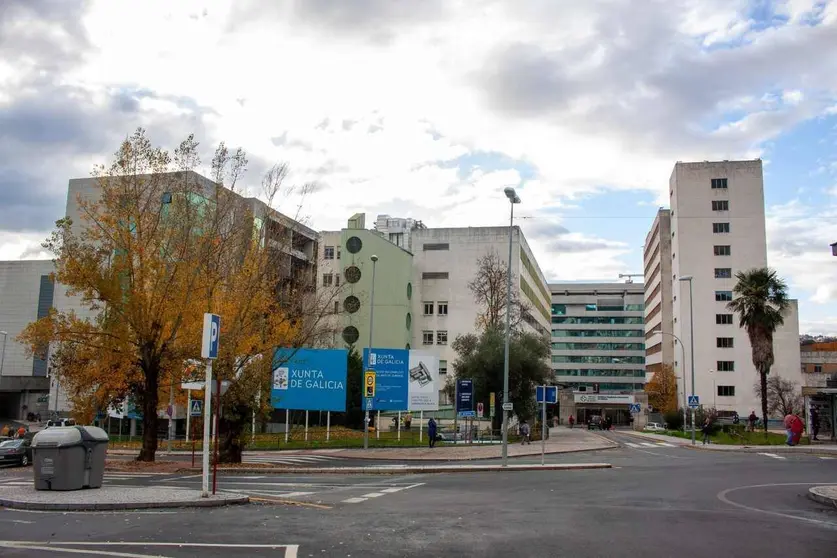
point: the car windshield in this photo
(11, 443)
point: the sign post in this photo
(369, 394)
(209, 351)
(544, 395)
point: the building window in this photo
(328, 253)
(726, 391)
(719, 183)
(725, 365)
(723, 273)
(338, 253)
(720, 205)
(443, 367)
(354, 245)
(428, 308)
(336, 306)
(443, 309)
(442, 337)
(718, 228)
(723, 296)
(817, 368)
(723, 319)
(559, 309)
(437, 246)
(724, 342)
(427, 337)
(434, 275)
(337, 280)
(722, 250)
(328, 279)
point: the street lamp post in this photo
(683, 353)
(513, 199)
(691, 344)
(374, 259)
(3, 357)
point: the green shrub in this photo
(674, 420)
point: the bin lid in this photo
(65, 436)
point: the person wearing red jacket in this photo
(794, 428)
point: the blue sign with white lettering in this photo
(551, 394)
(464, 396)
(635, 408)
(309, 379)
(392, 378)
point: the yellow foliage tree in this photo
(662, 389)
(159, 246)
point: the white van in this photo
(61, 422)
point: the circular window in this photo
(350, 335)
(352, 274)
(351, 304)
(409, 291)
(409, 320)
(353, 245)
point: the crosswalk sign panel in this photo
(694, 401)
(196, 409)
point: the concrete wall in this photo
(660, 347)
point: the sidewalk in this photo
(815, 449)
(112, 498)
(405, 469)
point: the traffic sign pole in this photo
(188, 411)
(543, 429)
(209, 351)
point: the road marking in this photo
(722, 496)
(354, 500)
(373, 495)
(17, 483)
(821, 457)
(773, 455)
(649, 445)
(631, 444)
(666, 444)
(291, 550)
(392, 490)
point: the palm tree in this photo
(761, 301)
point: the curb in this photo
(814, 495)
(816, 450)
(110, 506)
(408, 470)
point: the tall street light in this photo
(513, 199)
(374, 259)
(691, 344)
(683, 353)
(3, 357)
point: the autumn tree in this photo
(783, 396)
(157, 247)
(490, 290)
(662, 390)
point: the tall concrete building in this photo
(659, 347)
(598, 339)
(717, 229)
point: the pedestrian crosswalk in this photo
(110, 476)
(650, 445)
(306, 460)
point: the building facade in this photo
(660, 346)
(598, 338)
(398, 230)
(717, 229)
(26, 294)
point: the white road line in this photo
(773, 455)
(354, 500)
(374, 495)
(821, 457)
(17, 483)
(649, 445)
(392, 490)
(666, 444)
(631, 444)
(291, 550)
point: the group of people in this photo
(10, 432)
(408, 421)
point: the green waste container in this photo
(69, 458)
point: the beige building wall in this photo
(660, 347)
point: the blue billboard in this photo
(465, 397)
(392, 378)
(309, 379)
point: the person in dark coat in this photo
(431, 431)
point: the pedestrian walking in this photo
(431, 431)
(706, 429)
(815, 423)
(408, 420)
(572, 421)
(751, 422)
(793, 428)
(524, 433)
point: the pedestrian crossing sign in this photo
(694, 401)
(196, 409)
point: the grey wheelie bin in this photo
(69, 458)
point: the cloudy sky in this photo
(428, 108)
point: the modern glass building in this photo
(598, 337)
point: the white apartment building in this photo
(717, 229)
(659, 347)
(445, 261)
(398, 230)
(598, 338)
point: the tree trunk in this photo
(150, 401)
(763, 377)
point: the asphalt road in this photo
(657, 501)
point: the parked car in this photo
(595, 423)
(16, 452)
(654, 427)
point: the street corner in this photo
(113, 498)
(824, 495)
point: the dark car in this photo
(595, 423)
(16, 452)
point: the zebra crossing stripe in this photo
(631, 444)
(773, 455)
(649, 445)
(822, 457)
(665, 444)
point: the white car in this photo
(654, 427)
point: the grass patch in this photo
(736, 439)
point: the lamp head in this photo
(685, 278)
(511, 194)
(374, 258)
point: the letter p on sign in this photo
(211, 335)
